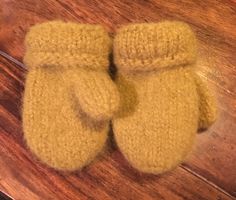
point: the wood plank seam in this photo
(207, 181)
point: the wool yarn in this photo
(69, 97)
(163, 103)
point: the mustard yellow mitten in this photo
(163, 103)
(69, 96)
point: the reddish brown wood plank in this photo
(214, 23)
(110, 177)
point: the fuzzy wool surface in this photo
(163, 103)
(69, 97)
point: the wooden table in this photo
(208, 173)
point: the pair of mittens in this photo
(69, 97)
(156, 106)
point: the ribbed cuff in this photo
(146, 47)
(69, 44)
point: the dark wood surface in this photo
(208, 173)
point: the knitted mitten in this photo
(163, 101)
(69, 96)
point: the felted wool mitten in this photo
(163, 103)
(69, 97)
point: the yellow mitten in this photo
(69, 96)
(162, 101)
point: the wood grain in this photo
(210, 171)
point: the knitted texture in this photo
(163, 102)
(69, 96)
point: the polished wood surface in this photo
(210, 170)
